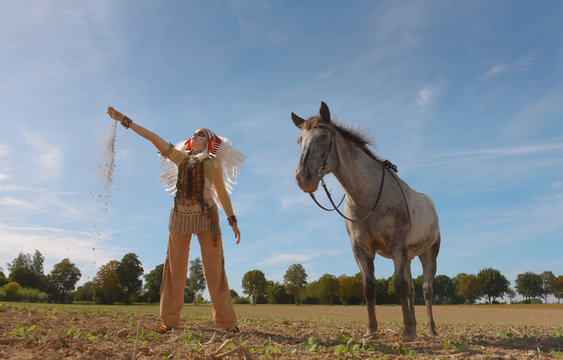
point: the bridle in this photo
(386, 165)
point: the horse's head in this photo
(318, 144)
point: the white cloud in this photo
(12, 187)
(491, 169)
(299, 200)
(13, 202)
(504, 68)
(81, 247)
(327, 74)
(286, 258)
(538, 114)
(58, 206)
(49, 157)
(3, 176)
(495, 70)
(400, 24)
(498, 227)
(518, 150)
(4, 150)
(428, 95)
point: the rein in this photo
(386, 164)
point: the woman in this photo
(196, 168)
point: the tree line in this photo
(121, 281)
(489, 284)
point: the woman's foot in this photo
(163, 329)
(233, 329)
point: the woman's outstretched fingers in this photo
(114, 114)
(237, 233)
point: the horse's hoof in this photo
(408, 337)
(370, 335)
(432, 332)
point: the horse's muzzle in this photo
(307, 182)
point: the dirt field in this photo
(46, 331)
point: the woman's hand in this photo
(114, 114)
(236, 231)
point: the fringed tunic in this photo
(194, 210)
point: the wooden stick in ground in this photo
(238, 348)
(136, 340)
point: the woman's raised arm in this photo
(164, 147)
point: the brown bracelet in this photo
(232, 220)
(126, 122)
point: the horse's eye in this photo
(325, 136)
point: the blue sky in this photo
(465, 97)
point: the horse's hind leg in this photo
(403, 287)
(365, 263)
(411, 293)
(428, 261)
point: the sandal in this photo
(163, 329)
(233, 329)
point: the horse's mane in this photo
(352, 134)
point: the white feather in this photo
(231, 162)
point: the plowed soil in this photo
(33, 331)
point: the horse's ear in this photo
(297, 120)
(324, 112)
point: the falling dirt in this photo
(101, 198)
(107, 164)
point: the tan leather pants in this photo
(175, 275)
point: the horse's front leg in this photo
(365, 262)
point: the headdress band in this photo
(213, 143)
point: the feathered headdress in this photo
(219, 148)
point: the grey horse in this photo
(383, 214)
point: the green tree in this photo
(27, 277)
(530, 285)
(152, 284)
(418, 282)
(84, 292)
(254, 284)
(189, 296)
(329, 287)
(277, 294)
(12, 290)
(295, 280)
(558, 288)
(62, 280)
(350, 289)
(37, 262)
(196, 279)
(469, 288)
(511, 294)
(130, 272)
(493, 283)
(3, 279)
(384, 291)
(21, 260)
(233, 294)
(106, 284)
(444, 290)
(311, 294)
(547, 284)
(458, 299)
